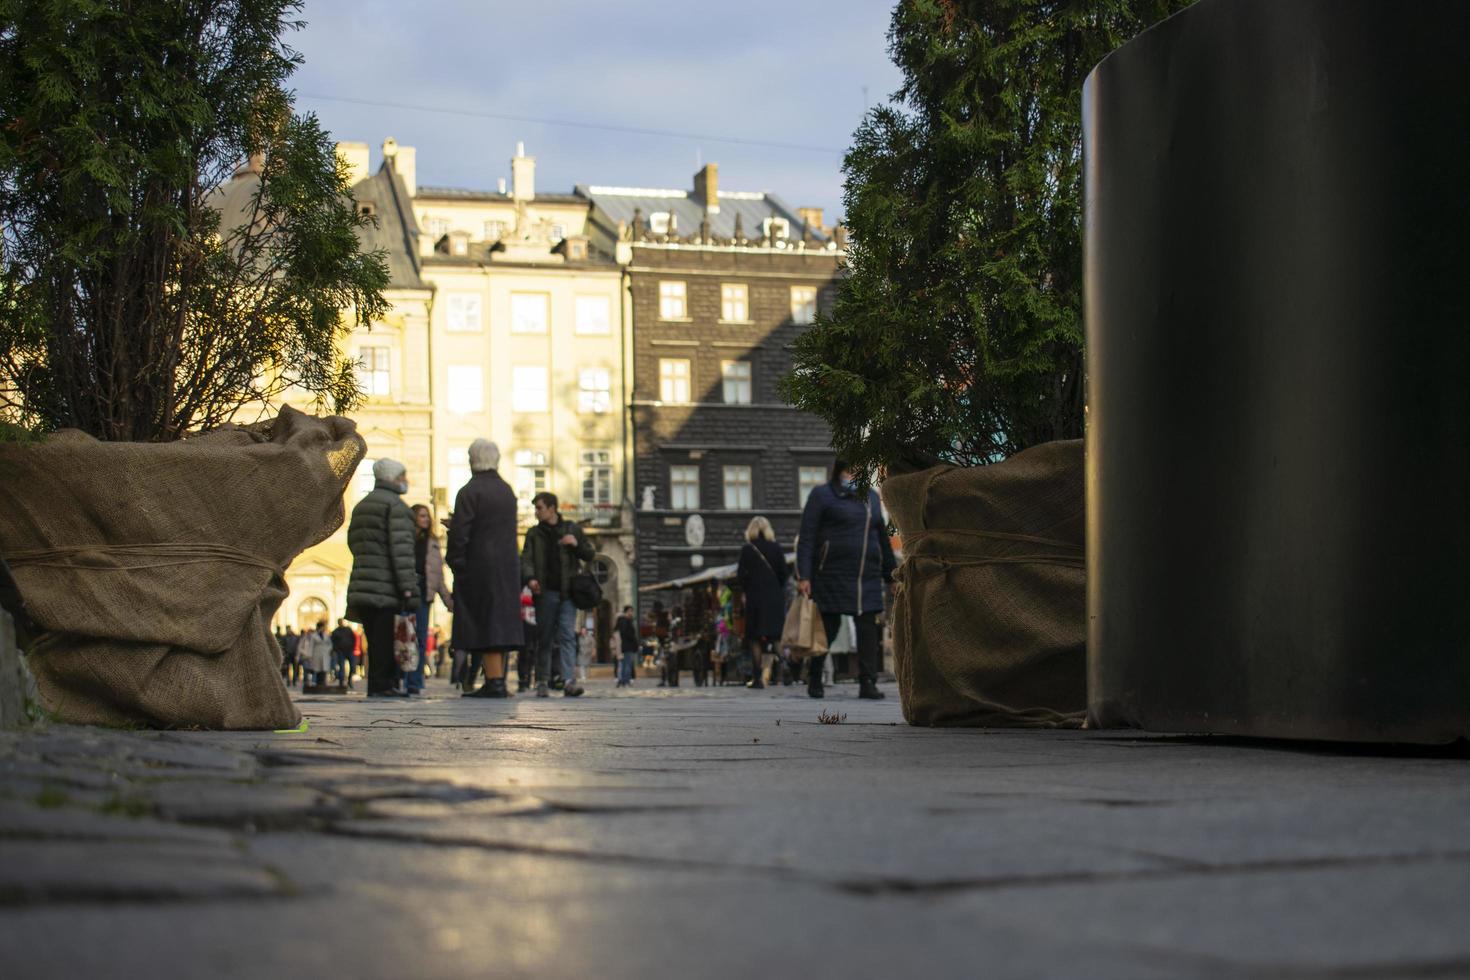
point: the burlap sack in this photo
(154, 569)
(990, 612)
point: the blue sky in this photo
(788, 72)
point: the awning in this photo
(719, 572)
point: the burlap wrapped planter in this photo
(990, 612)
(154, 570)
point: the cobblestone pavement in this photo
(719, 832)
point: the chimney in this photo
(707, 187)
(522, 175)
(403, 160)
(813, 217)
(500, 186)
(355, 157)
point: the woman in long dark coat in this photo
(487, 568)
(843, 559)
(762, 573)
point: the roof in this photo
(619, 203)
(396, 231)
(467, 194)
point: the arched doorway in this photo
(310, 612)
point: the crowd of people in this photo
(525, 601)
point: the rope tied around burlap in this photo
(169, 554)
(1066, 554)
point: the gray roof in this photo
(619, 203)
(467, 194)
(396, 232)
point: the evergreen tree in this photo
(957, 331)
(128, 308)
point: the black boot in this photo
(868, 688)
(755, 682)
(814, 676)
(490, 689)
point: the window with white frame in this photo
(803, 304)
(558, 232)
(466, 389)
(462, 311)
(437, 228)
(529, 312)
(459, 469)
(672, 304)
(735, 376)
(533, 476)
(494, 230)
(528, 388)
(594, 392)
(596, 477)
(684, 488)
(778, 228)
(364, 481)
(737, 488)
(658, 222)
(735, 302)
(673, 380)
(594, 314)
(808, 478)
(372, 370)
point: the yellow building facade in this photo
(507, 323)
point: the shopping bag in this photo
(803, 633)
(405, 641)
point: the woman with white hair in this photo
(383, 579)
(487, 569)
(762, 573)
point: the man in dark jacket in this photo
(487, 575)
(844, 559)
(384, 581)
(627, 631)
(291, 646)
(550, 557)
(343, 640)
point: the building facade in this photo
(719, 285)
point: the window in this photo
(778, 228)
(596, 478)
(737, 488)
(673, 380)
(365, 481)
(736, 378)
(558, 232)
(528, 389)
(658, 222)
(529, 312)
(595, 390)
(734, 302)
(438, 228)
(594, 314)
(532, 476)
(466, 389)
(463, 311)
(459, 243)
(684, 488)
(671, 304)
(803, 304)
(372, 370)
(494, 230)
(808, 478)
(459, 469)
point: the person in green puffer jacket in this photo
(384, 580)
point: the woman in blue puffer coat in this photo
(844, 560)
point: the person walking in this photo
(487, 576)
(291, 647)
(316, 655)
(627, 631)
(843, 558)
(762, 574)
(549, 559)
(344, 640)
(428, 565)
(527, 655)
(383, 580)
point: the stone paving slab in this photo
(720, 833)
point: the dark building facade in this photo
(716, 301)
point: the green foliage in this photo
(957, 331)
(130, 307)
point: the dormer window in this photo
(658, 222)
(459, 243)
(778, 229)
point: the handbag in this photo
(405, 641)
(585, 590)
(803, 633)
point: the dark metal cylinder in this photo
(1277, 279)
